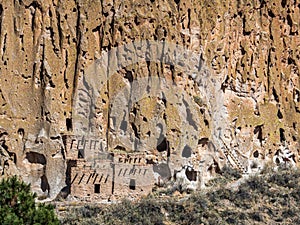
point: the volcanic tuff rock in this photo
(241, 106)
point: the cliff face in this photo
(194, 85)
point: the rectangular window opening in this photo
(132, 184)
(80, 154)
(97, 188)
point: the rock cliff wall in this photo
(108, 69)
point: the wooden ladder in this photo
(237, 162)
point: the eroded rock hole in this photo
(296, 95)
(189, 116)
(149, 161)
(149, 133)
(203, 141)
(134, 111)
(135, 130)
(123, 126)
(64, 192)
(271, 14)
(21, 132)
(283, 3)
(206, 122)
(294, 125)
(289, 20)
(34, 157)
(35, 5)
(225, 84)
(275, 95)
(44, 184)
(291, 61)
(129, 76)
(120, 148)
(282, 136)
(279, 114)
(191, 174)
(163, 170)
(163, 145)
(187, 152)
(254, 165)
(214, 168)
(258, 131)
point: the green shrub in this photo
(231, 173)
(17, 205)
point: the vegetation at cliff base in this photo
(17, 205)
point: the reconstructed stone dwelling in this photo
(93, 174)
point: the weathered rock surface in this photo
(112, 70)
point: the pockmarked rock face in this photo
(102, 99)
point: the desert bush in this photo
(146, 211)
(231, 173)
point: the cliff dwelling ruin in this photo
(105, 174)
